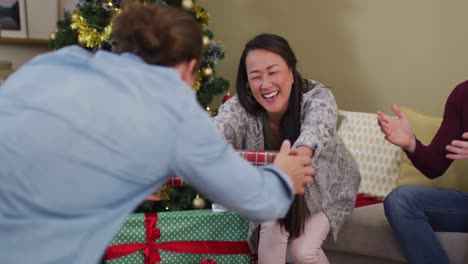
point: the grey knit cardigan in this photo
(337, 176)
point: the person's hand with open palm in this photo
(397, 130)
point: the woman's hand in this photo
(296, 166)
(458, 148)
(397, 130)
(304, 151)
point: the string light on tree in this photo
(208, 109)
(107, 4)
(187, 4)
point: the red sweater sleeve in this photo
(431, 160)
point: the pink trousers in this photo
(305, 249)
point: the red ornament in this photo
(226, 97)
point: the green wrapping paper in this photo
(181, 237)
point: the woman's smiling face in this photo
(270, 80)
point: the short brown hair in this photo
(159, 34)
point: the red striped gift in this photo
(257, 158)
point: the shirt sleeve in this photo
(318, 126)
(431, 159)
(230, 123)
(212, 166)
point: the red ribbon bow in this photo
(150, 248)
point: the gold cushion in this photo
(424, 127)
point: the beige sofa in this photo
(366, 237)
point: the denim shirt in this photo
(84, 138)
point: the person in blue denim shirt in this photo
(85, 137)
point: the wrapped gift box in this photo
(181, 237)
(257, 158)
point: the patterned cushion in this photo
(378, 160)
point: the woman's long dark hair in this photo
(291, 122)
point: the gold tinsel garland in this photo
(164, 193)
(198, 82)
(87, 35)
(90, 37)
(201, 15)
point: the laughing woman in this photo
(274, 103)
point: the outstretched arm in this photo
(286, 162)
(318, 126)
(211, 166)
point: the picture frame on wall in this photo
(13, 21)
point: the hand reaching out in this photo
(297, 167)
(458, 148)
(397, 130)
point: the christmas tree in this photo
(89, 26)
